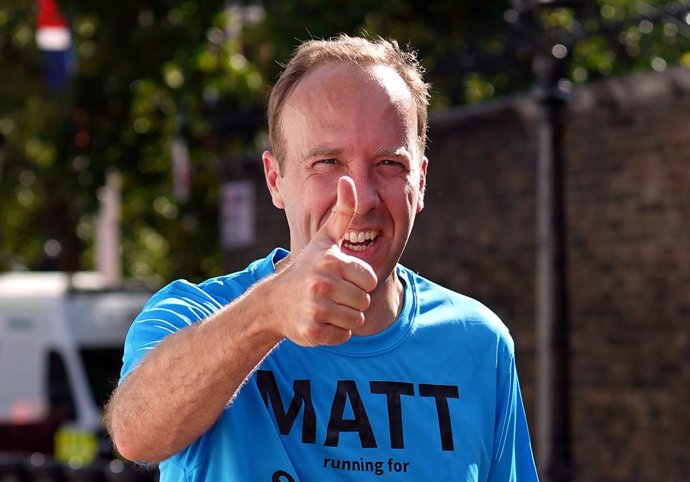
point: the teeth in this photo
(360, 237)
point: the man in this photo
(331, 361)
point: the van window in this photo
(102, 370)
(60, 398)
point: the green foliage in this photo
(612, 37)
(145, 77)
(451, 37)
(148, 73)
(635, 35)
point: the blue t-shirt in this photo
(433, 397)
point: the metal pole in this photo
(108, 249)
(553, 353)
(544, 291)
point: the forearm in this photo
(182, 386)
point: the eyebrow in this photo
(321, 151)
(399, 152)
(324, 151)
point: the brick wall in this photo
(628, 146)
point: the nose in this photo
(367, 188)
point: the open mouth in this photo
(359, 240)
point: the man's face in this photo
(340, 121)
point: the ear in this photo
(272, 174)
(422, 183)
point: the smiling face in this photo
(345, 120)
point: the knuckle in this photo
(370, 279)
(320, 287)
(317, 312)
(330, 261)
(312, 333)
(367, 275)
(366, 301)
(325, 334)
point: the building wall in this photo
(628, 204)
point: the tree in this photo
(161, 74)
(146, 75)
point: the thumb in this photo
(343, 212)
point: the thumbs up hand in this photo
(322, 294)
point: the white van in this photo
(61, 339)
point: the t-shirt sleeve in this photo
(512, 460)
(173, 308)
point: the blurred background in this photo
(558, 194)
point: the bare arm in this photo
(182, 386)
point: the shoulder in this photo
(440, 307)
(181, 304)
(209, 295)
(218, 291)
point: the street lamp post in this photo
(552, 314)
(551, 294)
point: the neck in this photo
(386, 303)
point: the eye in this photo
(325, 165)
(392, 163)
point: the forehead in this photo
(335, 81)
(352, 102)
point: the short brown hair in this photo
(359, 51)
